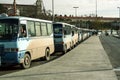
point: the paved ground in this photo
(112, 48)
(88, 61)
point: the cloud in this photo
(105, 7)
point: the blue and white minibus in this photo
(85, 33)
(62, 36)
(80, 35)
(74, 31)
(25, 39)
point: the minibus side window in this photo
(31, 29)
(22, 31)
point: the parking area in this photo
(88, 61)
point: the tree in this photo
(97, 24)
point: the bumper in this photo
(11, 58)
(59, 47)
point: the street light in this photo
(119, 11)
(119, 17)
(96, 8)
(53, 10)
(14, 7)
(76, 11)
(76, 14)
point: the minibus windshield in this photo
(57, 28)
(8, 29)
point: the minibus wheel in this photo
(47, 54)
(27, 62)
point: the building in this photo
(28, 10)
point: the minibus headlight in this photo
(62, 42)
(14, 49)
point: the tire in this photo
(27, 62)
(47, 54)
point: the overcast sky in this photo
(106, 8)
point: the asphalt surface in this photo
(35, 63)
(88, 61)
(111, 45)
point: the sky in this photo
(105, 8)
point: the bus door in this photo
(23, 38)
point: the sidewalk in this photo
(88, 61)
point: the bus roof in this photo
(25, 18)
(62, 23)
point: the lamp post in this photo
(119, 17)
(96, 8)
(76, 14)
(14, 7)
(76, 11)
(119, 11)
(53, 10)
